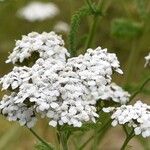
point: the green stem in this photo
(40, 139)
(100, 136)
(133, 87)
(131, 62)
(140, 89)
(100, 131)
(95, 141)
(89, 139)
(64, 141)
(129, 137)
(134, 54)
(63, 138)
(125, 130)
(92, 30)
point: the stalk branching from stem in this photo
(128, 138)
(100, 131)
(40, 139)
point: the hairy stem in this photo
(40, 139)
(129, 137)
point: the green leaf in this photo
(124, 28)
(41, 146)
(75, 24)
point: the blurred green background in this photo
(124, 29)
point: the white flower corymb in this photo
(63, 89)
(136, 116)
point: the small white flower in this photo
(54, 105)
(108, 109)
(53, 123)
(114, 123)
(137, 131)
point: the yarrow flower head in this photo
(136, 116)
(63, 89)
(61, 27)
(38, 11)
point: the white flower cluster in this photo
(116, 93)
(17, 111)
(61, 27)
(147, 58)
(136, 116)
(16, 77)
(48, 45)
(38, 11)
(64, 90)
